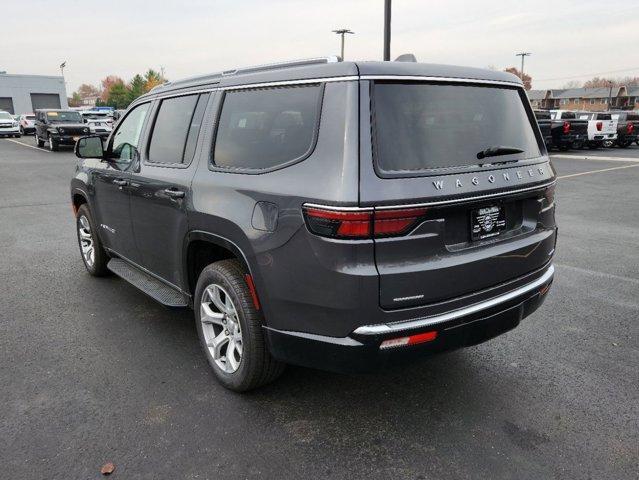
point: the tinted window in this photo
(428, 126)
(171, 129)
(632, 117)
(126, 140)
(194, 129)
(603, 116)
(265, 128)
(567, 115)
(542, 115)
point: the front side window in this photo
(125, 141)
(176, 128)
(267, 128)
(422, 126)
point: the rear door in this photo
(160, 188)
(445, 226)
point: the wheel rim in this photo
(50, 143)
(86, 241)
(221, 328)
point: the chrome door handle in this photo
(119, 182)
(170, 192)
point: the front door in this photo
(161, 186)
(111, 184)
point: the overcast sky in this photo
(569, 40)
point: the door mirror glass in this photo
(89, 147)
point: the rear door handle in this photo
(119, 182)
(173, 193)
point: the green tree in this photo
(75, 100)
(153, 79)
(137, 87)
(119, 96)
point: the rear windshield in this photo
(602, 116)
(421, 127)
(542, 115)
(634, 118)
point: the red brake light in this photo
(599, 126)
(362, 224)
(566, 127)
(630, 127)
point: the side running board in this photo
(153, 287)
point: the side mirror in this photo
(89, 147)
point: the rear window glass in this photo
(567, 115)
(542, 115)
(634, 118)
(602, 116)
(266, 128)
(421, 127)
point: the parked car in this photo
(627, 127)
(325, 213)
(602, 129)
(545, 123)
(8, 125)
(99, 122)
(58, 127)
(26, 123)
(568, 131)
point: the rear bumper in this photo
(360, 351)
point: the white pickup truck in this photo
(602, 129)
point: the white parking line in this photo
(597, 171)
(595, 158)
(25, 145)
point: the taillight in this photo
(362, 224)
(630, 127)
(566, 127)
(599, 126)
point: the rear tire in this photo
(93, 254)
(227, 321)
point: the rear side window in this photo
(422, 127)
(176, 128)
(266, 128)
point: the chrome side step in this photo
(153, 287)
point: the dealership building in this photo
(26, 93)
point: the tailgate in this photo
(456, 225)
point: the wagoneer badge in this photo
(507, 177)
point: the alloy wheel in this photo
(86, 241)
(221, 328)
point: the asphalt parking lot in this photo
(93, 371)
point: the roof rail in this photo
(211, 77)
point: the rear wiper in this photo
(498, 150)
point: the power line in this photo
(586, 75)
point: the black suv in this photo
(337, 215)
(58, 127)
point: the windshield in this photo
(64, 117)
(421, 126)
(5, 116)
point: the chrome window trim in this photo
(440, 79)
(348, 78)
(387, 328)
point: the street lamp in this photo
(342, 32)
(522, 55)
(62, 65)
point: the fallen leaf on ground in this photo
(107, 469)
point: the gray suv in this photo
(336, 215)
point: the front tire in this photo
(230, 329)
(53, 145)
(39, 142)
(93, 254)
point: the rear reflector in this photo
(362, 224)
(412, 340)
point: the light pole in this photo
(342, 32)
(522, 55)
(387, 29)
(62, 65)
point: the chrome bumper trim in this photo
(386, 328)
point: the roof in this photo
(633, 90)
(330, 67)
(536, 94)
(598, 92)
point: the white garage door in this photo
(45, 100)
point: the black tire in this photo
(100, 258)
(53, 145)
(39, 142)
(21, 130)
(257, 367)
(17, 135)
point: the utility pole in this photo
(342, 32)
(522, 55)
(387, 29)
(609, 95)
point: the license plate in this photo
(75, 139)
(487, 222)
